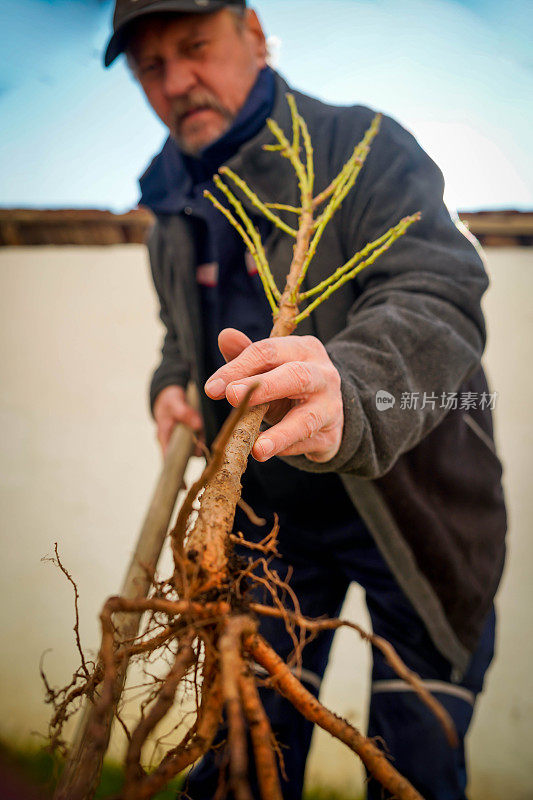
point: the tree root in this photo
(290, 687)
(205, 607)
(262, 738)
(231, 647)
(391, 656)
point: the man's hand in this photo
(299, 381)
(171, 407)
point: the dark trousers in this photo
(324, 563)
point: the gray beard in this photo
(195, 149)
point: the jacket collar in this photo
(268, 174)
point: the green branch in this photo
(258, 254)
(262, 261)
(349, 264)
(309, 155)
(309, 228)
(346, 180)
(257, 202)
(289, 153)
(283, 207)
(399, 230)
(349, 173)
(299, 125)
(295, 124)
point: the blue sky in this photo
(457, 73)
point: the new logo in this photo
(384, 400)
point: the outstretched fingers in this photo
(258, 358)
(299, 382)
(313, 429)
(293, 380)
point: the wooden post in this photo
(76, 783)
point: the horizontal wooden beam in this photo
(498, 223)
(28, 227)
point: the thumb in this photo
(232, 342)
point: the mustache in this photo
(183, 105)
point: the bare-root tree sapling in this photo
(204, 618)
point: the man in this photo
(405, 500)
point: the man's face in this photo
(197, 70)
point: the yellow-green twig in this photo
(283, 207)
(295, 123)
(347, 276)
(293, 157)
(257, 202)
(309, 156)
(347, 178)
(258, 257)
(344, 186)
(261, 260)
(299, 125)
(323, 196)
(351, 170)
(349, 264)
(232, 220)
(357, 158)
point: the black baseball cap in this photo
(128, 10)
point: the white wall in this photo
(79, 337)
